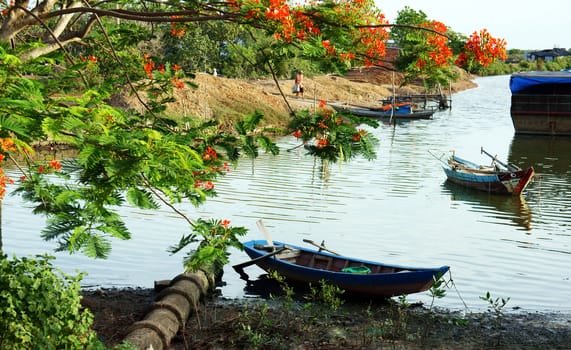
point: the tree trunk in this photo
(170, 311)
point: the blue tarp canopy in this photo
(526, 80)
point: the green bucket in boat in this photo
(357, 269)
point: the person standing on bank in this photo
(298, 84)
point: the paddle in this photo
(265, 232)
(270, 245)
(495, 159)
(240, 267)
(320, 246)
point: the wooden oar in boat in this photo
(240, 267)
(265, 233)
(269, 245)
(495, 159)
(320, 246)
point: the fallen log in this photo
(170, 311)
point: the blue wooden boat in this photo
(388, 111)
(496, 178)
(357, 277)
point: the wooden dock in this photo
(425, 101)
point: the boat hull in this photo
(541, 115)
(381, 114)
(384, 281)
(541, 103)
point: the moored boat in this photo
(357, 277)
(496, 178)
(403, 111)
(541, 103)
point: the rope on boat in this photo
(450, 283)
(439, 158)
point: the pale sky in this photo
(524, 24)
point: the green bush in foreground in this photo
(40, 307)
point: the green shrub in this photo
(40, 307)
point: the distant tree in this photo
(424, 48)
(404, 32)
(515, 55)
(481, 49)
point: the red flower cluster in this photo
(328, 47)
(357, 137)
(149, 65)
(293, 24)
(6, 145)
(482, 48)
(54, 165)
(205, 185)
(439, 54)
(89, 58)
(209, 154)
(322, 142)
(177, 29)
(179, 84)
(374, 41)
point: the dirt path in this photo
(228, 99)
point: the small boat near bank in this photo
(357, 277)
(402, 111)
(497, 178)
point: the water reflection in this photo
(549, 155)
(511, 210)
(264, 287)
(549, 193)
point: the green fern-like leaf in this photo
(252, 121)
(96, 247)
(268, 145)
(15, 125)
(141, 199)
(116, 229)
(184, 241)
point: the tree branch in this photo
(167, 203)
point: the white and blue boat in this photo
(498, 177)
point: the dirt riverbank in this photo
(227, 99)
(266, 324)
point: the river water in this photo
(397, 209)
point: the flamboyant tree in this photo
(481, 49)
(62, 61)
(431, 53)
